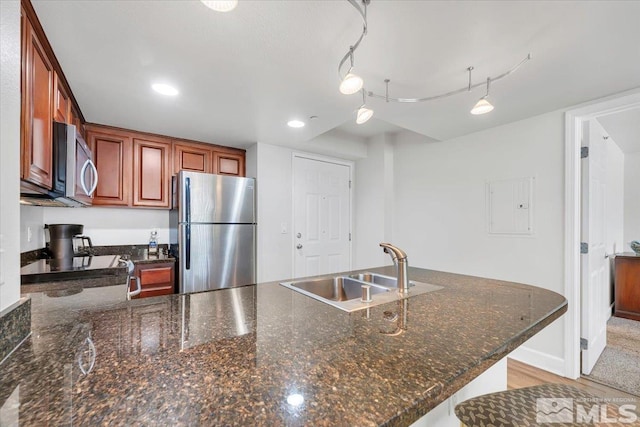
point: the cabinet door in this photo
(38, 75)
(151, 173)
(112, 156)
(191, 157)
(74, 119)
(155, 279)
(62, 103)
(228, 163)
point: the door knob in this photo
(298, 246)
(299, 235)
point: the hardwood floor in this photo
(521, 375)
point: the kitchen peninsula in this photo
(266, 355)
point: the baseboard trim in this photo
(545, 361)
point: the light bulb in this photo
(295, 123)
(363, 115)
(220, 5)
(351, 84)
(482, 106)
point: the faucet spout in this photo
(399, 258)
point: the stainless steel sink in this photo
(345, 292)
(336, 288)
(379, 279)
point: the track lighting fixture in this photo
(483, 106)
(352, 83)
(363, 113)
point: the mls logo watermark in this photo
(585, 411)
(554, 410)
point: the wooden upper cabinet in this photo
(61, 102)
(74, 119)
(37, 114)
(112, 154)
(229, 163)
(191, 157)
(151, 172)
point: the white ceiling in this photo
(624, 129)
(242, 75)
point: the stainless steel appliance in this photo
(75, 177)
(213, 231)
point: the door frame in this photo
(573, 135)
(320, 158)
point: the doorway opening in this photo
(587, 274)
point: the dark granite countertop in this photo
(236, 356)
(79, 267)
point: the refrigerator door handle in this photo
(187, 240)
(187, 200)
(187, 246)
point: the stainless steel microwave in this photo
(75, 177)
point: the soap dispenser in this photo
(153, 243)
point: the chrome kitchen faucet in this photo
(399, 258)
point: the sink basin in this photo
(336, 288)
(345, 292)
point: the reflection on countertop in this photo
(239, 356)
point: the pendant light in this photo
(351, 83)
(221, 5)
(483, 106)
(363, 113)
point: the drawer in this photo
(153, 276)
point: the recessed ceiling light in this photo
(295, 124)
(165, 89)
(221, 5)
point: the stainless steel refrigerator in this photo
(213, 231)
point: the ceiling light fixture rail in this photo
(351, 83)
(468, 88)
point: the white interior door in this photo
(321, 217)
(594, 264)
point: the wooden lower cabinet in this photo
(151, 173)
(627, 286)
(155, 279)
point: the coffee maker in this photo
(66, 241)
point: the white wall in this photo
(440, 215)
(113, 226)
(373, 213)
(275, 199)
(31, 221)
(9, 152)
(631, 199)
(105, 226)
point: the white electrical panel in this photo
(510, 206)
